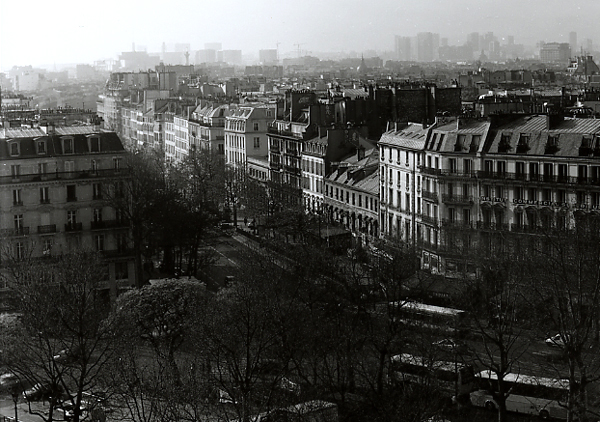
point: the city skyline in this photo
(71, 33)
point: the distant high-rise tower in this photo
(402, 48)
(573, 42)
(473, 40)
(217, 46)
(425, 46)
(268, 56)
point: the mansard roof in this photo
(109, 143)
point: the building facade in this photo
(54, 190)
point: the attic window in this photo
(586, 146)
(15, 149)
(41, 147)
(552, 144)
(460, 143)
(523, 145)
(94, 144)
(504, 145)
(68, 146)
(475, 142)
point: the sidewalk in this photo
(7, 411)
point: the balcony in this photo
(432, 196)
(525, 228)
(292, 169)
(44, 201)
(457, 224)
(47, 228)
(117, 253)
(34, 177)
(73, 227)
(18, 231)
(458, 174)
(488, 225)
(429, 220)
(108, 224)
(457, 199)
(430, 170)
(71, 199)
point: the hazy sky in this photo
(67, 31)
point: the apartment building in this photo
(246, 132)
(54, 185)
(207, 127)
(481, 182)
(401, 152)
(351, 194)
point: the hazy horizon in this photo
(66, 31)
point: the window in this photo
(501, 166)
(71, 218)
(17, 199)
(468, 166)
(15, 170)
(14, 149)
(18, 221)
(116, 163)
(523, 145)
(69, 166)
(20, 250)
(97, 190)
(71, 193)
(97, 215)
(255, 126)
(99, 242)
(94, 165)
(520, 170)
(256, 142)
(534, 171)
(504, 145)
(562, 173)
(121, 270)
(42, 168)
(68, 146)
(41, 147)
(452, 165)
(47, 247)
(44, 195)
(95, 144)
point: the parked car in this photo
(557, 340)
(67, 356)
(451, 345)
(41, 391)
(68, 409)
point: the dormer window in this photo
(40, 147)
(552, 144)
(504, 145)
(585, 148)
(94, 144)
(15, 149)
(523, 145)
(460, 143)
(68, 146)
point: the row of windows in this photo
(314, 167)
(71, 193)
(398, 156)
(67, 145)
(69, 166)
(19, 219)
(349, 197)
